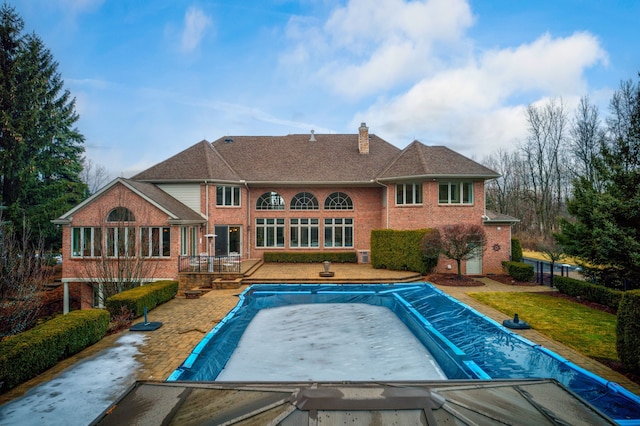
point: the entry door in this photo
(227, 240)
(474, 262)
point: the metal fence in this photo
(213, 264)
(544, 272)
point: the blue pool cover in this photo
(465, 343)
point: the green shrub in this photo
(516, 250)
(628, 331)
(311, 257)
(401, 250)
(28, 354)
(136, 299)
(587, 291)
(519, 271)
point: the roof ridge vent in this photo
(313, 136)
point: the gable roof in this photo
(295, 159)
(177, 212)
(419, 160)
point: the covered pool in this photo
(464, 343)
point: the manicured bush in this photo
(401, 250)
(147, 296)
(587, 291)
(628, 331)
(519, 271)
(516, 250)
(311, 257)
(28, 354)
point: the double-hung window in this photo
(227, 196)
(155, 241)
(408, 193)
(455, 193)
(269, 232)
(304, 232)
(121, 242)
(338, 232)
(86, 242)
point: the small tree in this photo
(119, 259)
(23, 273)
(461, 242)
(552, 251)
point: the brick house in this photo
(248, 195)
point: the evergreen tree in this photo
(605, 231)
(40, 149)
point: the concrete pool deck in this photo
(186, 321)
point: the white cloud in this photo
(196, 23)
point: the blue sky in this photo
(152, 78)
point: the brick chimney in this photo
(363, 139)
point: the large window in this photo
(121, 242)
(188, 241)
(304, 232)
(455, 193)
(408, 193)
(155, 241)
(269, 232)
(304, 201)
(120, 214)
(338, 232)
(270, 201)
(227, 195)
(86, 242)
(338, 201)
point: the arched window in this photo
(270, 201)
(338, 201)
(121, 214)
(304, 201)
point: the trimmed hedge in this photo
(519, 271)
(516, 250)
(311, 257)
(136, 299)
(400, 251)
(591, 292)
(28, 354)
(628, 331)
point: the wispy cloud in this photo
(196, 23)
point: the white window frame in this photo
(336, 231)
(304, 232)
(408, 194)
(85, 238)
(227, 196)
(274, 227)
(163, 240)
(458, 193)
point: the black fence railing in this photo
(214, 264)
(544, 272)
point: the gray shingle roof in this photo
(180, 212)
(296, 159)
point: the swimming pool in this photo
(465, 343)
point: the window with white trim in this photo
(155, 241)
(86, 242)
(338, 232)
(304, 232)
(227, 195)
(338, 201)
(270, 232)
(121, 242)
(408, 193)
(270, 201)
(188, 240)
(455, 193)
(304, 201)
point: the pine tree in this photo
(40, 149)
(606, 229)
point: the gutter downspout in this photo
(248, 250)
(386, 204)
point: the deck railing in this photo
(214, 264)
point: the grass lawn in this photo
(589, 331)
